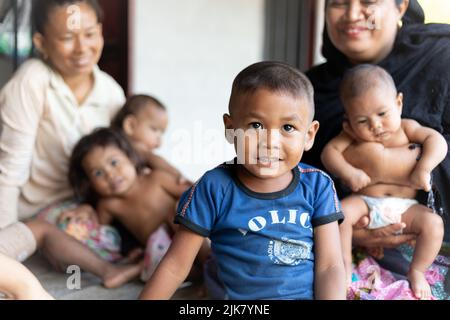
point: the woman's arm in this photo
(175, 266)
(17, 282)
(329, 274)
(21, 109)
(333, 159)
(386, 237)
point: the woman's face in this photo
(364, 30)
(72, 41)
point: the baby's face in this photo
(375, 116)
(148, 127)
(271, 130)
(109, 170)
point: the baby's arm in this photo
(334, 161)
(17, 282)
(329, 266)
(434, 150)
(175, 266)
(170, 183)
(159, 163)
(105, 216)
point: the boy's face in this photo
(374, 116)
(146, 128)
(276, 128)
(109, 170)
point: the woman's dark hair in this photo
(102, 137)
(42, 8)
(132, 107)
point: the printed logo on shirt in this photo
(289, 252)
(258, 223)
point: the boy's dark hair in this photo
(101, 137)
(42, 8)
(362, 78)
(274, 76)
(133, 106)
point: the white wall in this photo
(318, 31)
(187, 54)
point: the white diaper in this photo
(386, 211)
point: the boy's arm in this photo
(333, 159)
(434, 150)
(175, 266)
(329, 274)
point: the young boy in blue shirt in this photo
(272, 221)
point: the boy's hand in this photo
(420, 179)
(357, 180)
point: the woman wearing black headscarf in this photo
(391, 34)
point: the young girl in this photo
(143, 119)
(105, 169)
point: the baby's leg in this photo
(429, 229)
(62, 250)
(354, 209)
(17, 282)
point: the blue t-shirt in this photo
(263, 242)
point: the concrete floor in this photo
(91, 289)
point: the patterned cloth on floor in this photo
(371, 282)
(102, 239)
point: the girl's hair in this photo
(42, 8)
(102, 137)
(132, 107)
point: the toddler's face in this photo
(271, 130)
(109, 170)
(375, 116)
(147, 128)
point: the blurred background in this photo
(187, 53)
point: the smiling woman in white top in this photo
(48, 105)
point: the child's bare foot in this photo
(419, 284)
(121, 274)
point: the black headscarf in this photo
(420, 65)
